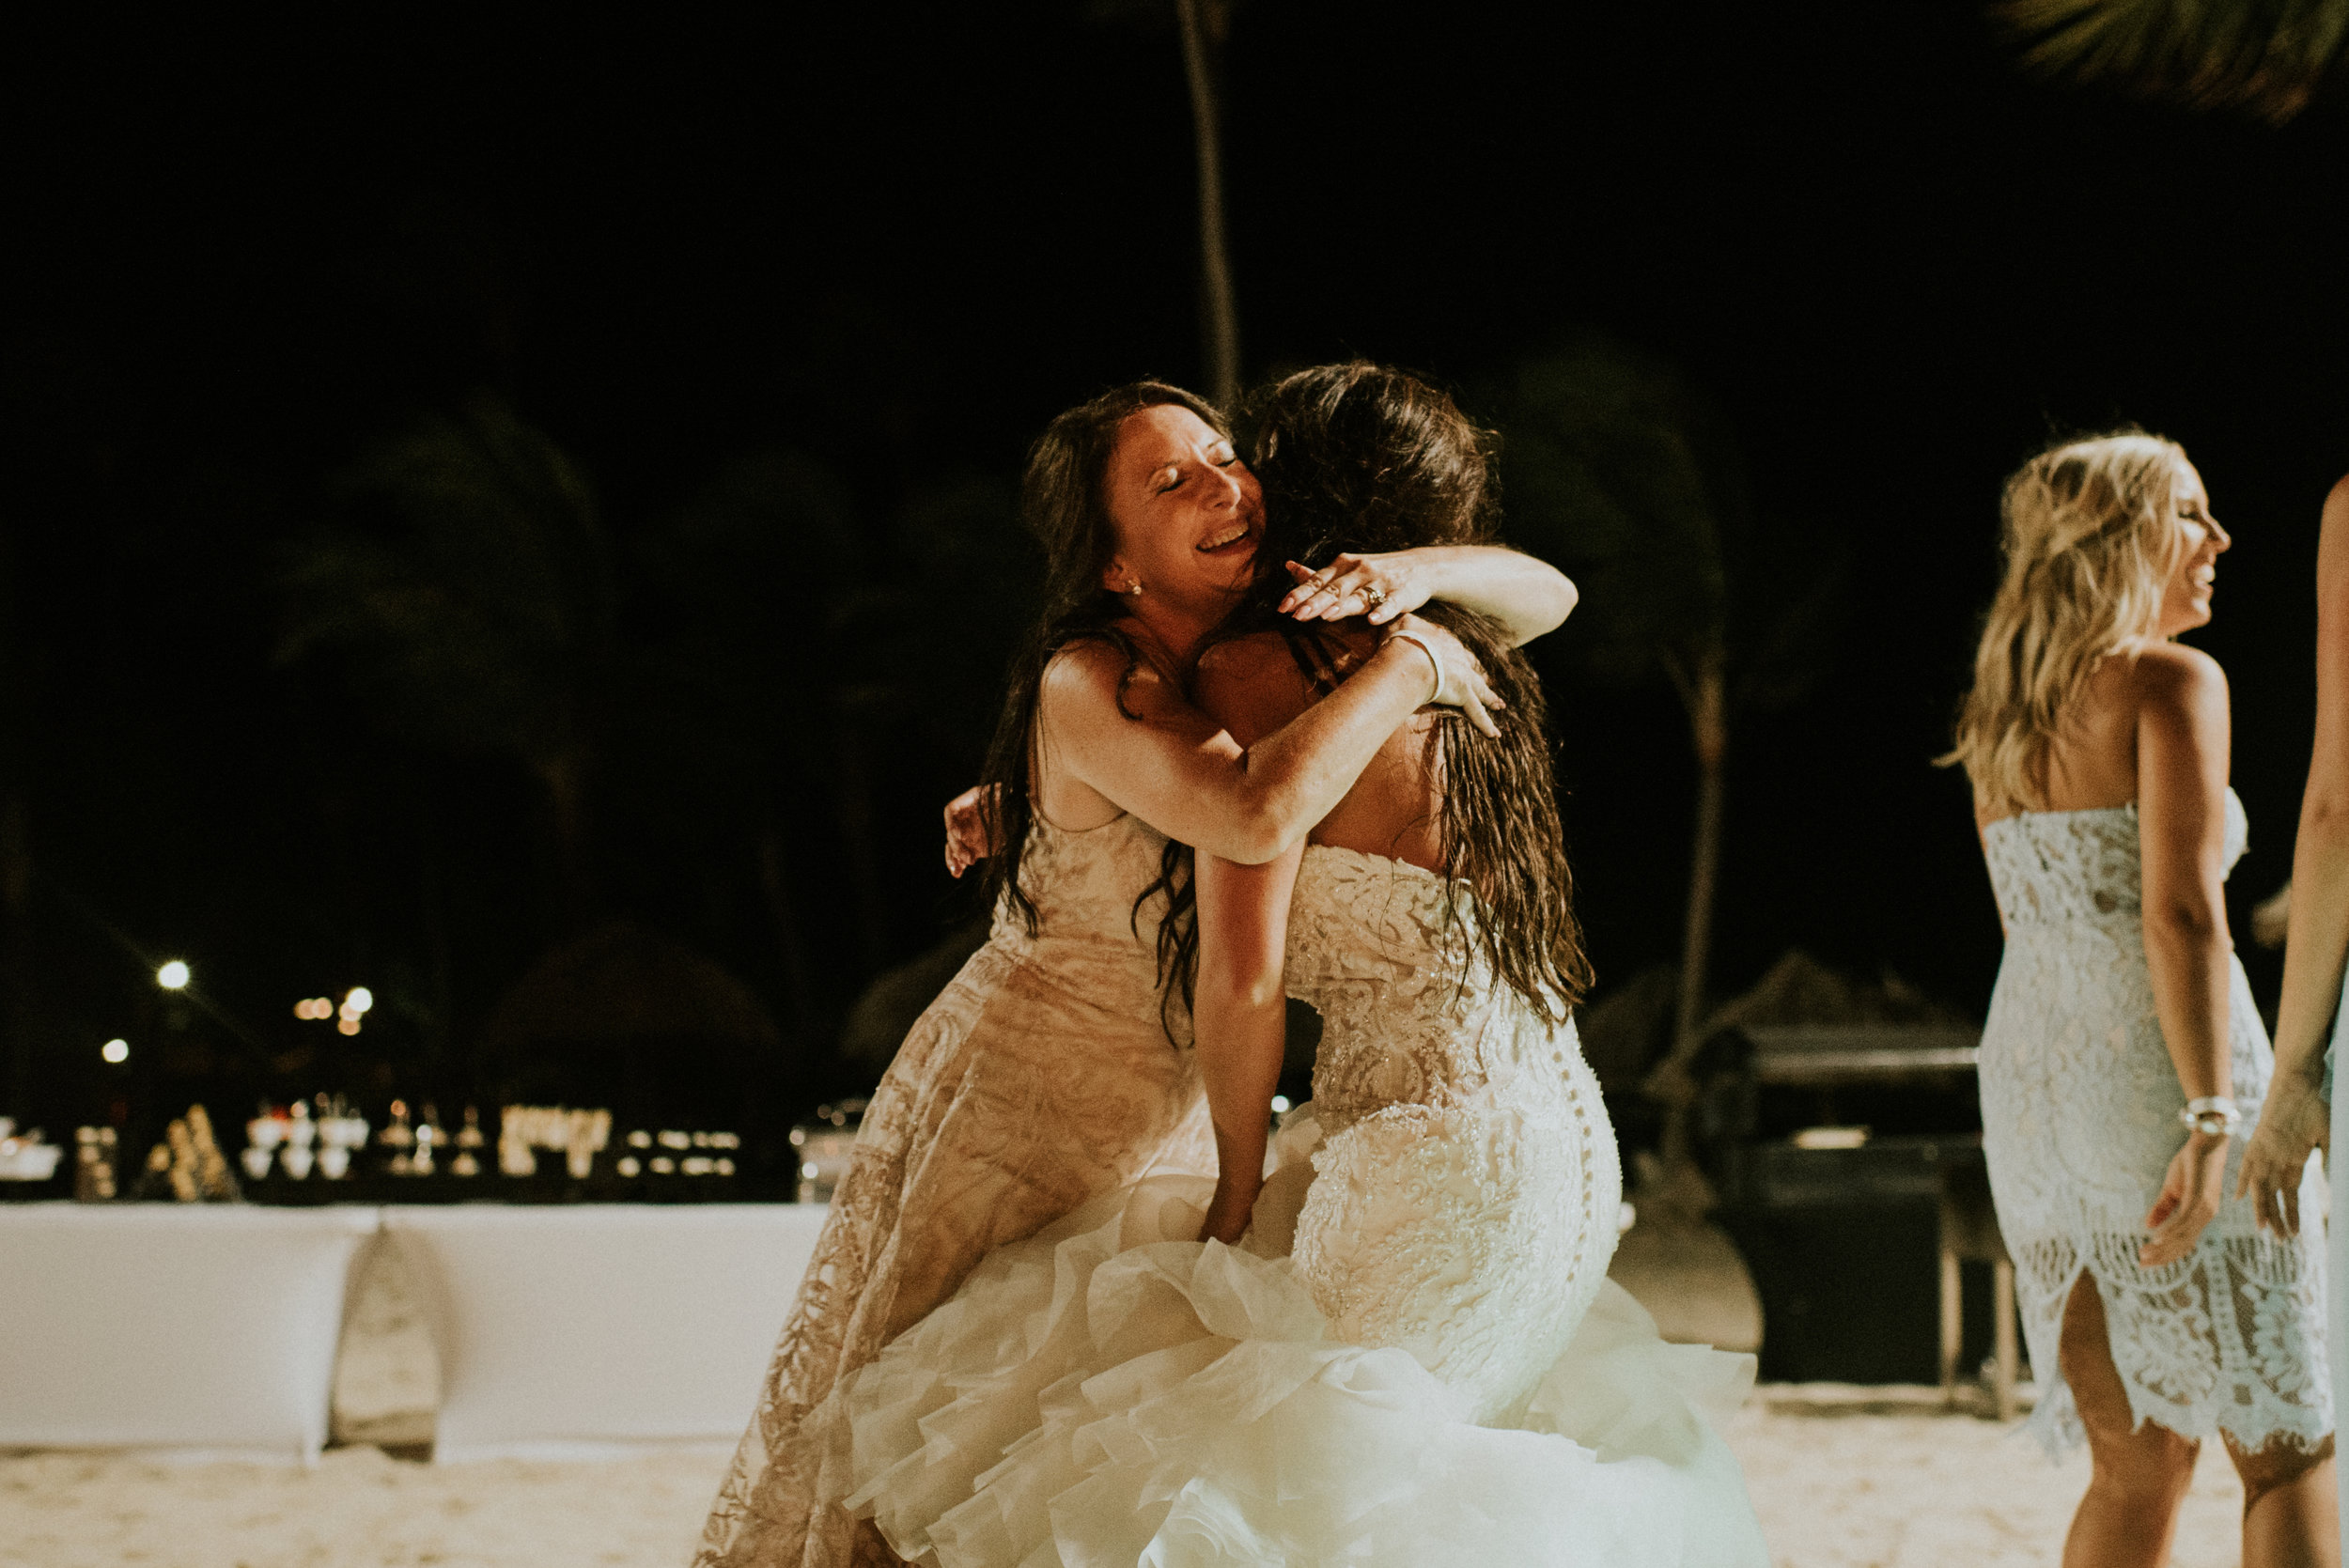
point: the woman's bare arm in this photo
(1529, 596)
(1240, 1016)
(2181, 747)
(2295, 1118)
(1186, 775)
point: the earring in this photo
(1134, 588)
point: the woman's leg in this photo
(2290, 1517)
(2140, 1473)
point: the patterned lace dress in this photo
(2079, 1109)
(1039, 1077)
(1414, 1358)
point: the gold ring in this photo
(1375, 595)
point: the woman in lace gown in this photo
(1413, 1357)
(2123, 1055)
(1043, 1074)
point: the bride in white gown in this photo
(1413, 1356)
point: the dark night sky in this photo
(901, 237)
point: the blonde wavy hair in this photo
(2090, 532)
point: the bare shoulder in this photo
(1251, 685)
(2173, 671)
(2332, 540)
(2171, 681)
(1092, 672)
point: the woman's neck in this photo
(1173, 633)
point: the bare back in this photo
(1254, 685)
(2094, 763)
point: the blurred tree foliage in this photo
(1618, 469)
(2268, 58)
(473, 593)
(745, 685)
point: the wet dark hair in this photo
(1063, 502)
(1362, 457)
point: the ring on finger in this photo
(1375, 595)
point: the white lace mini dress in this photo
(2079, 1109)
(1415, 1357)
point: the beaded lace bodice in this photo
(2080, 1103)
(1089, 938)
(1411, 1014)
(2054, 866)
(1466, 1189)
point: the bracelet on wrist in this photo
(1399, 634)
(2212, 1115)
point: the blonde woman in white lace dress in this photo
(1414, 1356)
(2122, 1059)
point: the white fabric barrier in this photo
(189, 1327)
(579, 1331)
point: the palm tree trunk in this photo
(1202, 25)
(1708, 728)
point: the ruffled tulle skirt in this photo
(1112, 1393)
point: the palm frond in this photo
(2268, 57)
(480, 608)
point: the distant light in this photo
(172, 976)
(116, 1050)
(346, 1026)
(359, 1001)
(313, 1007)
(1279, 1104)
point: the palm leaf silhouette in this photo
(1617, 469)
(474, 596)
(2268, 58)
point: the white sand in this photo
(1890, 1482)
(1842, 1476)
(1839, 1482)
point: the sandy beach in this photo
(1842, 1478)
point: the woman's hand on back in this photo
(968, 841)
(1459, 679)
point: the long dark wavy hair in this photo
(1063, 501)
(1362, 457)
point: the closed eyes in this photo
(1175, 481)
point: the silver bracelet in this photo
(1398, 634)
(2213, 1115)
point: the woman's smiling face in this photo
(1187, 511)
(2185, 599)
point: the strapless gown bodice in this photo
(1411, 1012)
(1090, 939)
(2048, 867)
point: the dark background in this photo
(889, 241)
